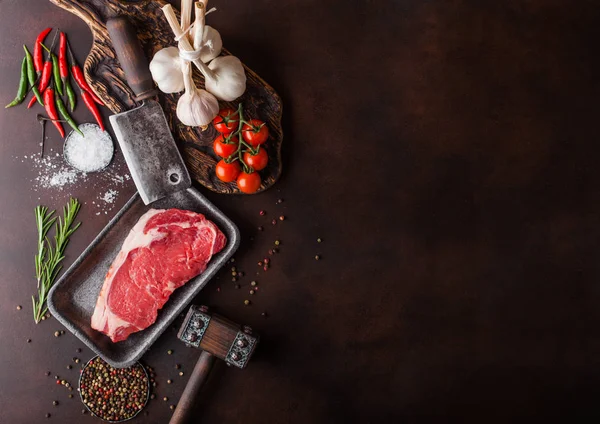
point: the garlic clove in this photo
(228, 81)
(211, 44)
(165, 68)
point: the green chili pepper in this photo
(22, 92)
(70, 94)
(31, 74)
(65, 114)
(56, 72)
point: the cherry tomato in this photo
(258, 161)
(256, 133)
(248, 183)
(224, 149)
(227, 172)
(226, 121)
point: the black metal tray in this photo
(73, 298)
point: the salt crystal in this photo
(91, 152)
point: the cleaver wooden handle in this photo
(131, 57)
(190, 393)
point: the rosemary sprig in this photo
(50, 255)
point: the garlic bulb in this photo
(165, 68)
(205, 38)
(196, 107)
(224, 77)
(211, 44)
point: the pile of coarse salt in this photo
(54, 174)
(91, 151)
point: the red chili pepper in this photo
(38, 61)
(62, 56)
(78, 75)
(51, 110)
(89, 102)
(44, 81)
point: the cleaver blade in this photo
(154, 161)
(143, 133)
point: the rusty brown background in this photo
(447, 154)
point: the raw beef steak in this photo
(164, 250)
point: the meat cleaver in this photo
(143, 133)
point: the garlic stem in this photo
(186, 14)
(200, 9)
(184, 43)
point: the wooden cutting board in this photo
(106, 78)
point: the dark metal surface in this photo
(444, 151)
(150, 151)
(73, 298)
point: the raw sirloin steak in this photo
(164, 250)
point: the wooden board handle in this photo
(131, 57)
(197, 379)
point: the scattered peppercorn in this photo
(62, 332)
(165, 398)
(28, 340)
(177, 366)
(274, 221)
(277, 242)
(240, 274)
(260, 228)
(232, 260)
(266, 260)
(253, 283)
(181, 373)
(319, 240)
(233, 279)
(265, 268)
(69, 367)
(246, 302)
(78, 350)
(56, 333)
(169, 381)
(152, 396)
(262, 213)
(55, 402)
(279, 200)
(84, 411)
(251, 291)
(70, 396)
(57, 378)
(260, 263)
(317, 257)
(19, 307)
(233, 273)
(171, 407)
(281, 218)
(233, 269)
(48, 415)
(264, 314)
(271, 251)
(169, 352)
(47, 373)
(219, 289)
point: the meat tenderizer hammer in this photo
(218, 338)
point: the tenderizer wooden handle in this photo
(131, 57)
(197, 379)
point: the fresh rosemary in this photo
(50, 255)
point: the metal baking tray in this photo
(73, 298)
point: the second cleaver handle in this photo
(185, 406)
(131, 57)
